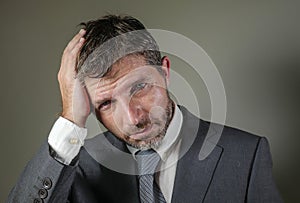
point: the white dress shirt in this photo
(66, 139)
(168, 152)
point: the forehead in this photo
(127, 69)
(124, 66)
(120, 68)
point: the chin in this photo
(146, 144)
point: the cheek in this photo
(106, 120)
(110, 122)
(156, 97)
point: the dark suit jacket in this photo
(239, 169)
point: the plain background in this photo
(254, 44)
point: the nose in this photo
(134, 112)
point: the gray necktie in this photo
(149, 190)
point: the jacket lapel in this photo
(118, 174)
(193, 176)
(112, 153)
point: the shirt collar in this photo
(170, 138)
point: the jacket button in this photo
(38, 200)
(47, 183)
(42, 193)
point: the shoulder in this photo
(234, 136)
(221, 134)
(237, 143)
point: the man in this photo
(113, 68)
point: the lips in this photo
(142, 135)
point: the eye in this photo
(138, 87)
(105, 105)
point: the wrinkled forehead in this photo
(125, 66)
(123, 76)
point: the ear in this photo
(166, 64)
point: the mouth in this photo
(144, 134)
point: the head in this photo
(126, 78)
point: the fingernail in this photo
(82, 31)
(81, 39)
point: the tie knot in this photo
(147, 161)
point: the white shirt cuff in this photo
(66, 139)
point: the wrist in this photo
(79, 121)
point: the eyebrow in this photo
(144, 79)
(140, 80)
(108, 97)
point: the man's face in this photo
(132, 101)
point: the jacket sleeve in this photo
(43, 180)
(262, 187)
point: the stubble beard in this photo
(155, 141)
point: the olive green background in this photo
(254, 44)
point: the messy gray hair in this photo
(111, 38)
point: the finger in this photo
(77, 46)
(69, 59)
(75, 39)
